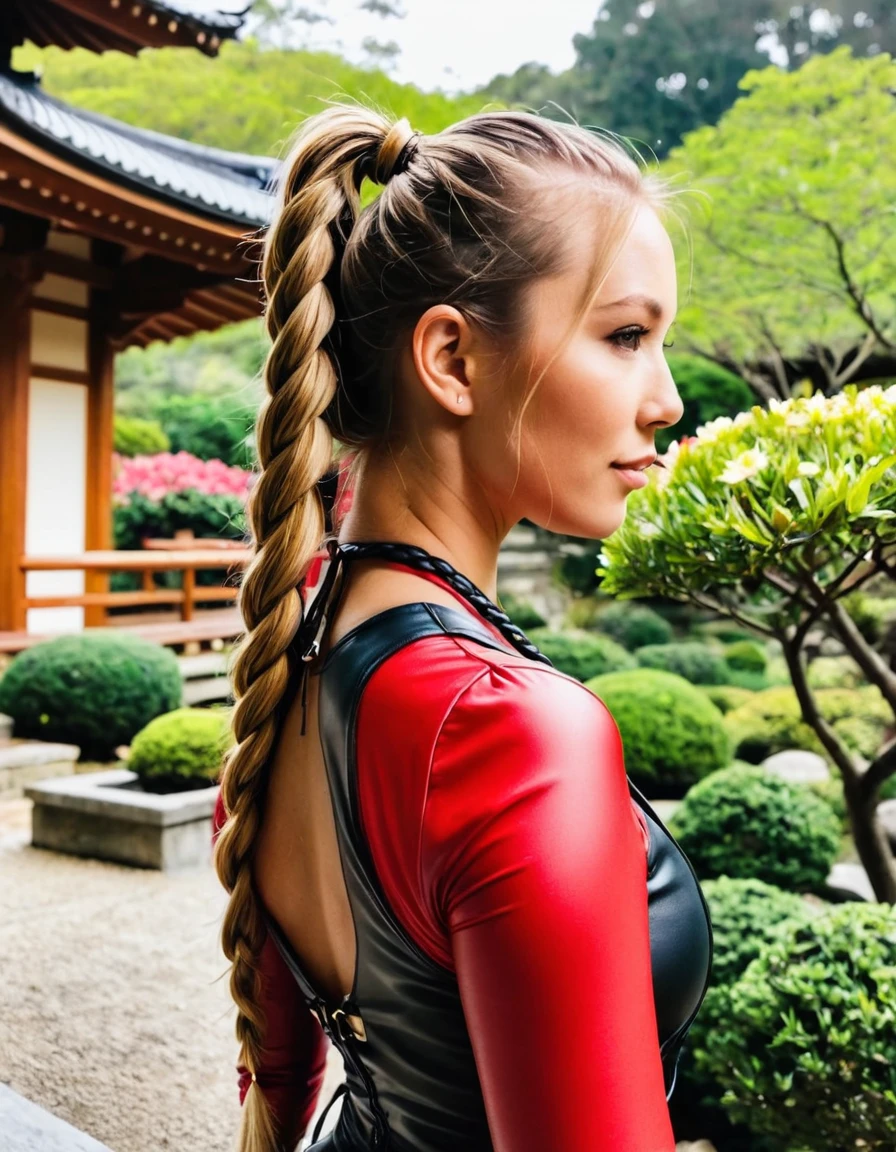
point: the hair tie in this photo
(396, 151)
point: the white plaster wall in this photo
(62, 288)
(71, 243)
(56, 497)
(58, 341)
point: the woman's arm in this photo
(295, 1048)
(535, 864)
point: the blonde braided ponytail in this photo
(317, 206)
(469, 220)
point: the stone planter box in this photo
(24, 762)
(107, 815)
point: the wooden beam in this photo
(126, 22)
(100, 434)
(58, 307)
(15, 347)
(224, 306)
(61, 264)
(65, 375)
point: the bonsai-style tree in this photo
(794, 258)
(771, 518)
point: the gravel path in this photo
(113, 1015)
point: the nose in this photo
(664, 406)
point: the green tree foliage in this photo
(658, 70)
(249, 99)
(795, 257)
(772, 519)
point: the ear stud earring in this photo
(460, 399)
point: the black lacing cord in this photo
(419, 558)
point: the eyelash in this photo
(631, 333)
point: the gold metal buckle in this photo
(355, 1023)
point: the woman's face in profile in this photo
(602, 400)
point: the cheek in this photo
(574, 417)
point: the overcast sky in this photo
(457, 44)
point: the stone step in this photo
(207, 690)
(203, 664)
(524, 562)
(28, 1128)
(22, 762)
(521, 538)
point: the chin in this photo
(588, 527)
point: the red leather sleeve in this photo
(525, 870)
(294, 1056)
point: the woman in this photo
(429, 827)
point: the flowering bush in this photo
(772, 518)
(156, 476)
(157, 495)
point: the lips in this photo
(640, 464)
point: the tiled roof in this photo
(224, 185)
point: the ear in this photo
(445, 354)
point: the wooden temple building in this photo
(110, 236)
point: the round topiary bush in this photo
(522, 613)
(581, 654)
(834, 672)
(181, 750)
(747, 823)
(746, 916)
(746, 656)
(691, 659)
(771, 722)
(672, 734)
(95, 689)
(633, 625)
(727, 697)
(809, 1049)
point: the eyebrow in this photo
(653, 306)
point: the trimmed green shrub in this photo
(691, 659)
(181, 750)
(723, 630)
(746, 656)
(583, 611)
(834, 672)
(727, 697)
(136, 437)
(746, 916)
(809, 1050)
(633, 625)
(771, 722)
(521, 612)
(748, 824)
(581, 654)
(672, 734)
(870, 614)
(95, 689)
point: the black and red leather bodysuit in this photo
(532, 945)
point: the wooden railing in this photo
(189, 559)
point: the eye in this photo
(635, 333)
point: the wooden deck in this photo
(164, 628)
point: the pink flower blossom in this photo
(156, 476)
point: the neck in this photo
(396, 499)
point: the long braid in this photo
(318, 204)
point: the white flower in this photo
(808, 468)
(742, 467)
